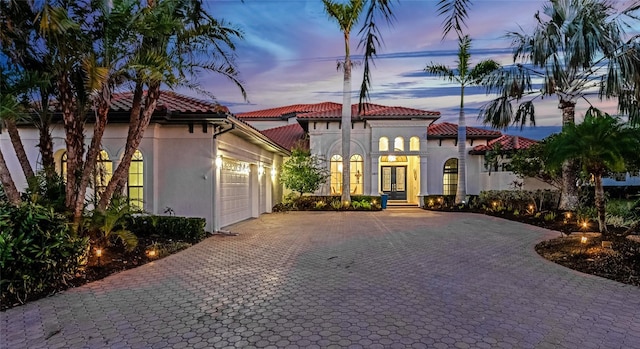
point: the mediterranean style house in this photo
(402, 152)
(197, 159)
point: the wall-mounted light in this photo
(274, 173)
(219, 161)
(260, 170)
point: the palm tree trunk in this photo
(346, 125)
(7, 182)
(45, 145)
(461, 192)
(569, 192)
(137, 126)
(74, 139)
(92, 155)
(16, 141)
(600, 205)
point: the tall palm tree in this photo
(577, 47)
(600, 144)
(464, 75)
(454, 11)
(346, 15)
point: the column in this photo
(424, 177)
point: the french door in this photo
(394, 182)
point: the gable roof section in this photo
(449, 130)
(507, 143)
(333, 111)
(288, 136)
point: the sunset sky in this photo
(290, 49)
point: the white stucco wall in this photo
(179, 166)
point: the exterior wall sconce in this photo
(219, 161)
(260, 170)
(274, 173)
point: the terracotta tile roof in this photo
(288, 111)
(329, 110)
(449, 130)
(288, 136)
(507, 142)
(170, 101)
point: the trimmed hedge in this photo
(328, 203)
(186, 229)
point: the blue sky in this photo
(290, 49)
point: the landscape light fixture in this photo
(583, 239)
(98, 254)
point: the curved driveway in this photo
(401, 278)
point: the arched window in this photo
(357, 174)
(135, 184)
(383, 144)
(398, 144)
(336, 175)
(450, 177)
(414, 144)
(102, 174)
(63, 166)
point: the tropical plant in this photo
(37, 251)
(455, 12)
(464, 75)
(578, 46)
(303, 172)
(346, 15)
(110, 225)
(175, 40)
(531, 163)
(601, 143)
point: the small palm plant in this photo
(110, 225)
(601, 144)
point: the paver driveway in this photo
(400, 278)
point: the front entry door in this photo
(394, 182)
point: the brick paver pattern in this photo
(401, 278)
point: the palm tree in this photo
(346, 15)
(455, 12)
(173, 37)
(578, 46)
(465, 76)
(600, 144)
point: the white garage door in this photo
(235, 198)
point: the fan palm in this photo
(601, 144)
(577, 47)
(346, 15)
(464, 75)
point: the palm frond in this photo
(441, 71)
(456, 13)
(371, 40)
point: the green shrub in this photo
(169, 227)
(112, 224)
(356, 204)
(336, 204)
(519, 199)
(549, 217)
(38, 252)
(167, 248)
(321, 204)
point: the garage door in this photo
(235, 198)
